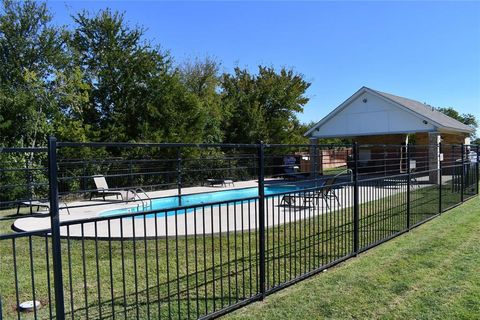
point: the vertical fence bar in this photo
(179, 176)
(440, 178)
(28, 178)
(83, 181)
(462, 181)
(261, 214)
(409, 178)
(454, 174)
(55, 227)
(384, 160)
(313, 160)
(477, 174)
(356, 218)
(130, 173)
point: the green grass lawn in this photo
(224, 267)
(433, 272)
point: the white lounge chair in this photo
(33, 203)
(220, 182)
(103, 190)
(40, 204)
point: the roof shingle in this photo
(426, 111)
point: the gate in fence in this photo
(190, 231)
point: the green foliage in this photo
(30, 51)
(264, 106)
(120, 69)
(465, 118)
(201, 78)
(102, 80)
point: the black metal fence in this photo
(194, 231)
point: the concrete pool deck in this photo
(235, 217)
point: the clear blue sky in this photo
(428, 51)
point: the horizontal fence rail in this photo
(187, 231)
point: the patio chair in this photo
(228, 181)
(290, 169)
(220, 182)
(308, 197)
(327, 192)
(33, 203)
(40, 204)
(289, 200)
(103, 190)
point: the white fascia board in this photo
(370, 134)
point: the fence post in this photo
(384, 160)
(229, 163)
(83, 182)
(409, 179)
(313, 160)
(477, 174)
(440, 177)
(454, 174)
(28, 177)
(356, 218)
(179, 176)
(261, 214)
(462, 181)
(130, 173)
(55, 228)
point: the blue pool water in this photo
(200, 198)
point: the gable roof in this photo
(421, 110)
(427, 111)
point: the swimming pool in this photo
(199, 198)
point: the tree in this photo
(118, 66)
(175, 114)
(72, 96)
(30, 51)
(465, 118)
(201, 77)
(103, 81)
(264, 106)
(135, 94)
